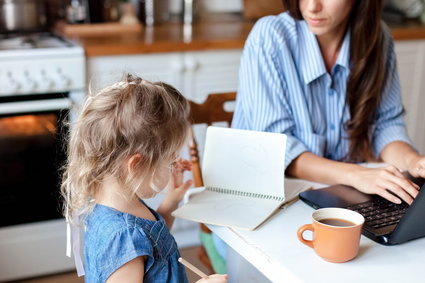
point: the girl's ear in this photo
(133, 162)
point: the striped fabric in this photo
(284, 87)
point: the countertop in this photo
(203, 35)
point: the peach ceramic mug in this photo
(334, 243)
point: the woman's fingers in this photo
(401, 183)
(398, 191)
(420, 170)
(388, 196)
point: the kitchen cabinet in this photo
(194, 74)
(411, 67)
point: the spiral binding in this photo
(244, 194)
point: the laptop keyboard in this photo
(379, 212)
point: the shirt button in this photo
(331, 92)
(332, 127)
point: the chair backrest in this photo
(209, 112)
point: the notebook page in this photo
(246, 161)
(227, 210)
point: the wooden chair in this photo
(209, 112)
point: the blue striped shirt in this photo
(284, 87)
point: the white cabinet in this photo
(411, 67)
(195, 74)
(210, 72)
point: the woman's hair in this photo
(367, 74)
(133, 116)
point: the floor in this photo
(190, 254)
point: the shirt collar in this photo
(344, 54)
(311, 61)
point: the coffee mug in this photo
(336, 233)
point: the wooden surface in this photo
(96, 29)
(169, 37)
(254, 9)
(410, 30)
(205, 35)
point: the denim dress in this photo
(113, 238)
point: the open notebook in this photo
(243, 173)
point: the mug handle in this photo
(300, 232)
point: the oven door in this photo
(33, 137)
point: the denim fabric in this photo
(113, 238)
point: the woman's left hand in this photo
(416, 166)
(177, 188)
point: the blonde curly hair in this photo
(133, 116)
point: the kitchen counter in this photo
(170, 37)
(205, 35)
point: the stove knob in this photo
(12, 86)
(29, 85)
(46, 83)
(62, 81)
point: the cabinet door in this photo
(104, 70)
(210, 72)
(411, 62)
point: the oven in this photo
(42, 81)
(32, 142)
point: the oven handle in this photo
(35, 106)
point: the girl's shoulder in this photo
(111, 239)
(108, 221)
(111, 226)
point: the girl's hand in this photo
(214, 278)
(382, 180)
(416, 166)
(177, 188)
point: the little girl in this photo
(123, 148)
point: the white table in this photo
(276, 252)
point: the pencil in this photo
(192, 267)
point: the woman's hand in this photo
(382, 181)
(214, 278)
(177, 188)
(416, 166)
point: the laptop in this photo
(385, 222)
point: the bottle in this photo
(110, 11)
(76, 12)
(96, 10)
(153, 11)
(190, 9)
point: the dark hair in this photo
(367, 74)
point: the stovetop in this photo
(32, 41)
(40, 63)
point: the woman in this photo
(324, 73)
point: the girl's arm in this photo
(132, 271)
(378, 181)
(176, 190)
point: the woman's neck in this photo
(330, 45)
(111, 194)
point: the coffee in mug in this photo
(336, 222)
(336, 233)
